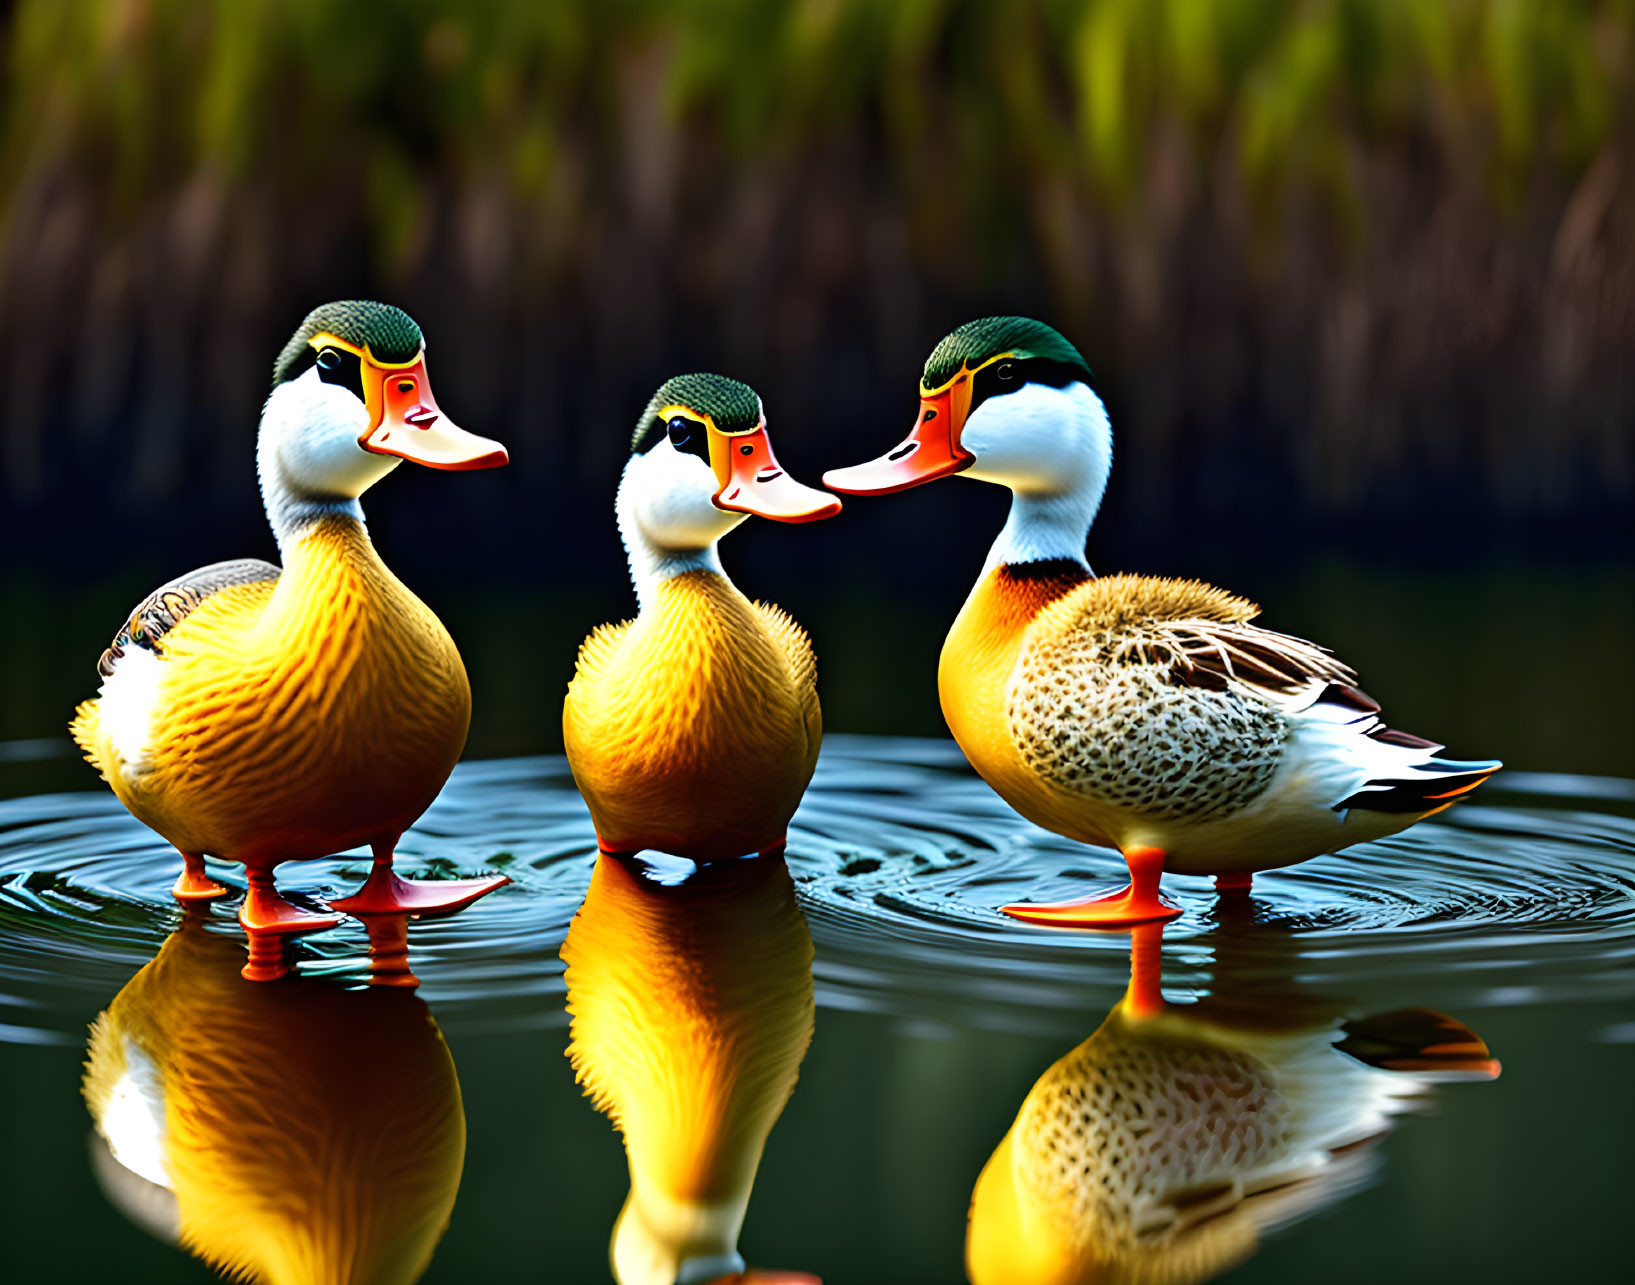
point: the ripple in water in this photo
(902, 857)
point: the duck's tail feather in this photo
(1421, 1041)
(86, 729)
(1434, 784)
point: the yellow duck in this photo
(301, 1134)
(694, 728)
(1133, 712)
(692, 1009)
(261, 714)
(1163, 1147)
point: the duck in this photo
(1142, 713)
(261, 713)
(690, 997)
(308, 1133)
(1166, 1144)
(694, 728)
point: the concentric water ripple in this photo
(902, 856)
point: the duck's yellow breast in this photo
(694, 729)
(303, 716)
(973, 675)
(311, 1134)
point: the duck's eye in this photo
(686, 435)
(746, 449)
(342, 369)
(1005, 372)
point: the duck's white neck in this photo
(308, 458)
(1052, 448)
(652, 563)
(1043, 528)
(293, 511)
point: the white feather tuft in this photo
(130, 698)
(133, 1121)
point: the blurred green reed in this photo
(1385, 232)
(1076, 88)
(167, 85)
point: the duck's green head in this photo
(701, 445)
(980, 366)
(1030, 345)
(359, 365)
(387, 335)
(725, 404)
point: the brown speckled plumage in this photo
(162, 609)
(1157, 696)
(1119, 1131)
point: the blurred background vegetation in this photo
(1357, 277)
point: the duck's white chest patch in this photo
(130, 700)
(133, 1121)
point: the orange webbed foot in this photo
(1139, 903)
(268, 920)
(385, 893)
(265, 913)
(193, 884)
(1119, 910)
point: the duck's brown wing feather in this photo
(1212, 654)
(158, 613)
(1197, 635)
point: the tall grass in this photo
(1387, 231)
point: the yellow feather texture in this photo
(313, 1134)
(694, 729)
(299, 717)
(692, 1009)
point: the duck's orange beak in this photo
(404, 421)
(752, 481)
(931, 449)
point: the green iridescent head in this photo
(387, 334)
(731, 407)
(977, 343)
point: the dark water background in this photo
(1514, 914)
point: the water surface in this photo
(1514, 915)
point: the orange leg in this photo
(1145, 995)
(384, 893)
(1137, 904)
(268, 919)
(389, 951)
(193, 884)
(1236, 884)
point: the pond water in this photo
(1360, 1135)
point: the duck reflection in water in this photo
(243, 1121)
(690, 989)
(1166, 1144)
